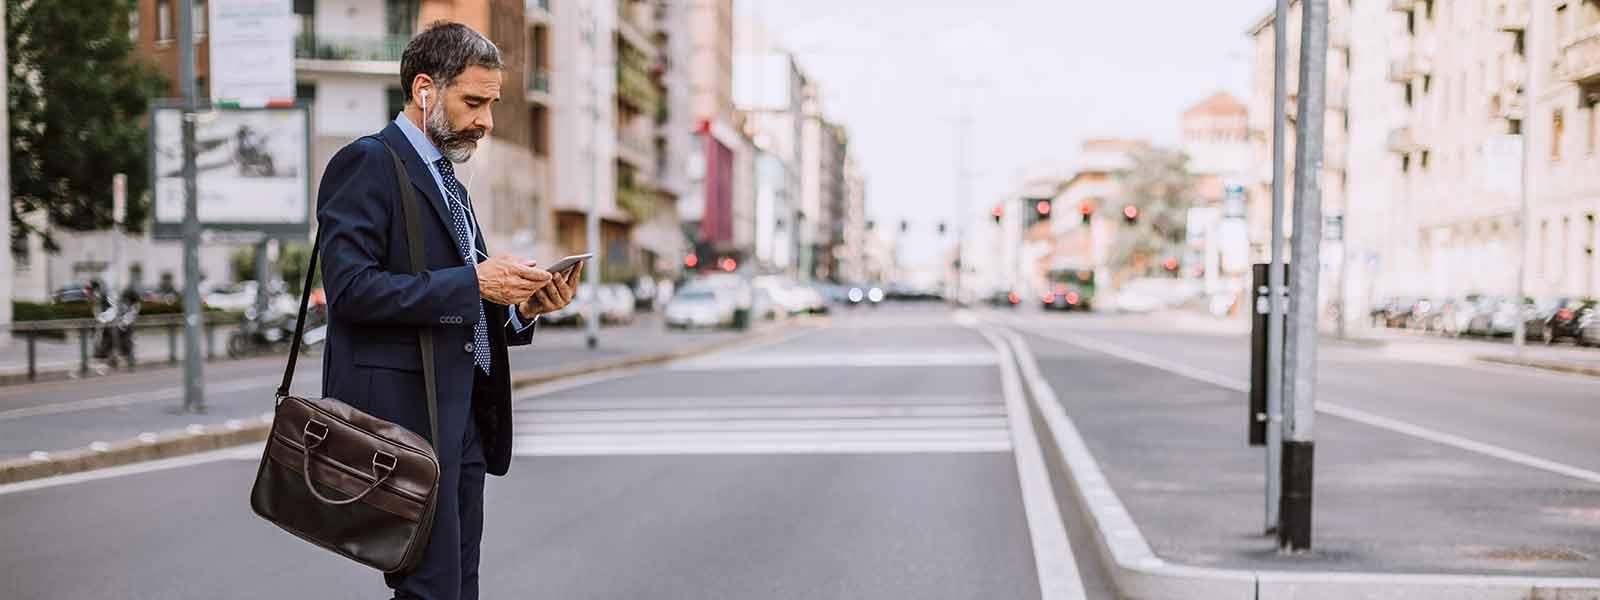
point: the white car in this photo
(699, 307)
(616, 303)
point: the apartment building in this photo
(1363, 129)
(769, 89)
(1564, 174)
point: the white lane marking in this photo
(552, 447)
(836, 360)
(714, 425)
(1052, 553)
(156, 395)
(791, 411)
(768, 401)
(251, 451)
(1334, 409)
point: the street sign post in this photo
(1300, 364)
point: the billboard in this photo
(253, 170)
(252, 51)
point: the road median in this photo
(201, 438)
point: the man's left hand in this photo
(552, 297)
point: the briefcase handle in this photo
(381, 462)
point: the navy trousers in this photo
(449, 567)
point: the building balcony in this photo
(538, 86)
(1579, 60)
(638, 203)
(633, 25)
(1506, 103)
(537, 11)
(636, 148)
(1339, 34)
(1511, 15)
(636, 88)
(375, 51)
(1408, 68)
(1403, 141)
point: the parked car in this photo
(617, 303)
(1589, 326)
(573, 312)
(1566, 321)
(699, 306)
(1005, 299)
(75, 292)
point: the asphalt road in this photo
(867, 459)
(62, 415)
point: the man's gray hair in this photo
(442, 51)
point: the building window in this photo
(1405, 165)
(1423, 163)
(400, 17)
(133, 25)
(163, 20)
(540, 124)
(1556, 129)
(197, 15)
(1588, 133)
(395, 102)
(1410, 95)
(305, 90)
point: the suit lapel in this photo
(419, 175)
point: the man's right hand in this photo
(506, 279)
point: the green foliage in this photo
(78, 96)
(292, 262)
(1159, 184)
(36, 311)
(242, 262)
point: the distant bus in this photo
(1070, 288)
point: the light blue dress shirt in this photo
(430, 155)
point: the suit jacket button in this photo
(467, 347)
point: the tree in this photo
(1158, 185)
(78, 96)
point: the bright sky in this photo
(1046, 75)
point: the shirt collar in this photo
(419, 140)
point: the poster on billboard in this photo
(252, 51)
(253, 170)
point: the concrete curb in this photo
(201, 438)
(1139, 574)
(1548, 365)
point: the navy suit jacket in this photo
(376, 306)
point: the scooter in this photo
(260, 332)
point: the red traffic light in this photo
(728, 265)
(1171, 263)
(1085, 209)
(690, 261)
(1043, 207)
(1130, 212)
(998, 211)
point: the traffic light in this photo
(1043, 208)
(1086, 211)
(905, 226)
(941, 228)
(1130, 214)
(997, 213)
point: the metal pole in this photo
(1300, 368)
(1280, 93)
(262, 292)
(1519, 337)
(963, 191)
(193, 367)
(591, 318)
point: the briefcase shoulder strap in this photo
(408, 203)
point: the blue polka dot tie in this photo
(480, 331)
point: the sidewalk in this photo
(66, 426)
(1414, 345)
(62, 358)
(1159, 461)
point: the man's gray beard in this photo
(455, 145)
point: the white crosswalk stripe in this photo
(760, 425)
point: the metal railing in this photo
(350, 47)
(31, 331)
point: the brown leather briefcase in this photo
(345, 480)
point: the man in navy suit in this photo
(476, 305)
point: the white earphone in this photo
(424, 102)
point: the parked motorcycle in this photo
(260, 333)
